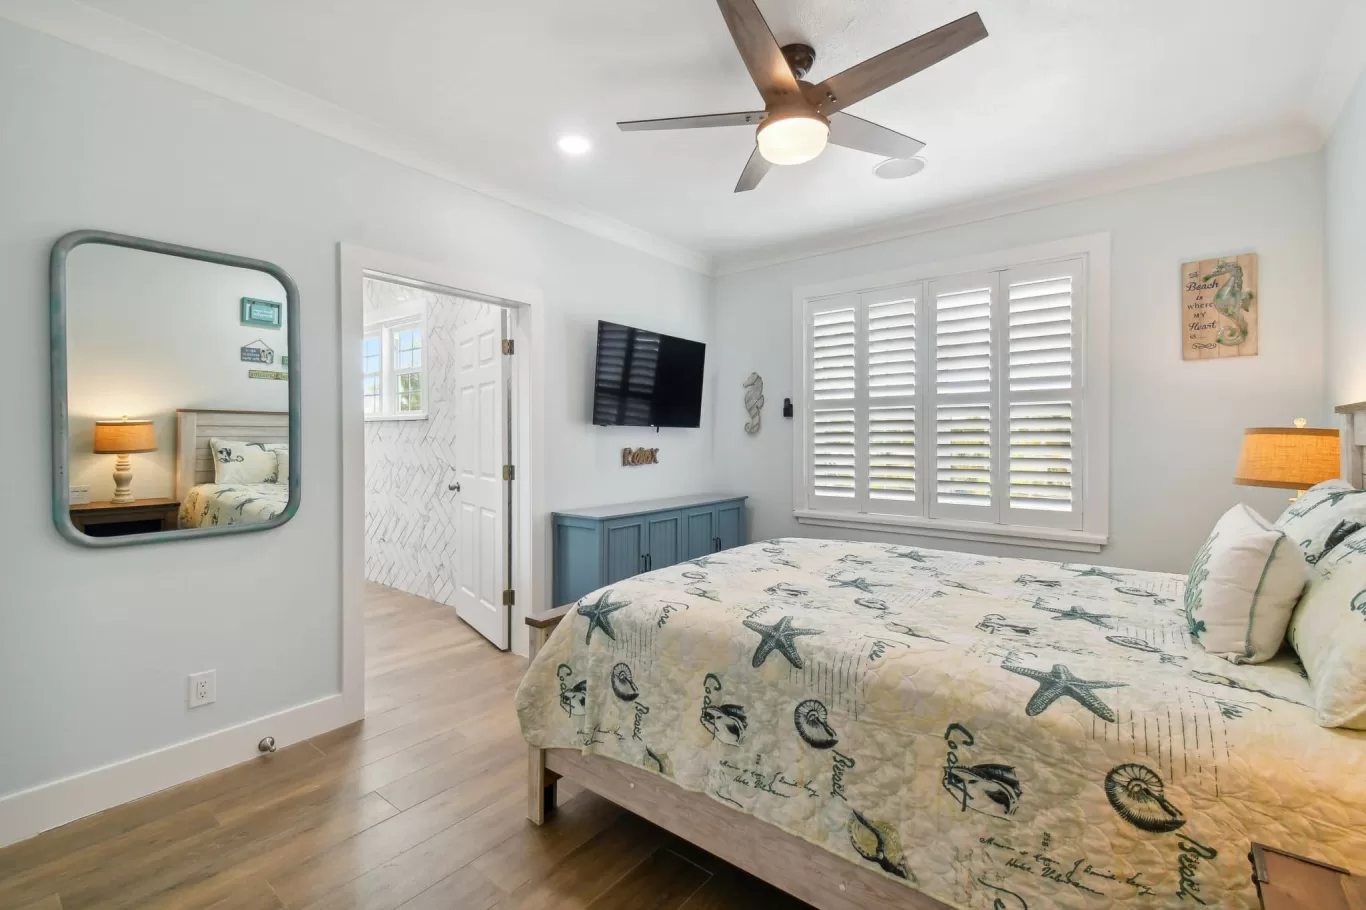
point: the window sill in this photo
(1050, 538)
(375, 418)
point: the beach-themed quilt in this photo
(996, 733)
(209, 505)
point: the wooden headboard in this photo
(194, 428)
(1353, 417)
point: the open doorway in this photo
(436, 392)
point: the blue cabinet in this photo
(600, 546)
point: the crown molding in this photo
(1227, 152)
(122, 40)
(1343, 63)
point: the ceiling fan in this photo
(799, 118)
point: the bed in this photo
(877, 725)
(204, 503)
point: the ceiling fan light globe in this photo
(793, 140)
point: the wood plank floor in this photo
(420, 806)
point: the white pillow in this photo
(1328, 631)
(1325, 516)
(1242, 588)
(242, 462)
(281, 462)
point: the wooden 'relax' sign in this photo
(633, 457)
(1219, 308)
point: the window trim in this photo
(387, 330)
(1093, 364)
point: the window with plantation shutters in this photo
(956, 402)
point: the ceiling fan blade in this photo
(856, 133)
(763, 58)
(747, 118)
(754, 172)
(890, 67)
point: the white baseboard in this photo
(37, 809)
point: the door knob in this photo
(454, 487)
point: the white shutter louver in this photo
(834, 373)
(1041, 456)
(1041, 334)
(891, 413)
(963, 395)
(1040, 395)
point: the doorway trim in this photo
(524, 303)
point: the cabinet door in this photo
(730, 524)
(626, 549)
(699, 532)
(665, 538)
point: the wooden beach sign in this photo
(1219, 308)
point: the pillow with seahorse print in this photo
(1328, 631)
(1325, 516)
(1242, 587)
(235, 461)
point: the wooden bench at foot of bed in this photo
(785, 861)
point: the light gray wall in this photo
(95, 646)
(1346, 242)
(1176, 426)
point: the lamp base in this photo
(123, 480)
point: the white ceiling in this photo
(1060, 88)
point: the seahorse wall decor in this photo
(1219, 311)
(754, 402)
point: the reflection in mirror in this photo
(178, 404)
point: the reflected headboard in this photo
(1353, 417)
(194, 428)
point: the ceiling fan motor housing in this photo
(800, 57)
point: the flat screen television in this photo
(645, 379)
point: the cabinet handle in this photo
(645, 561)
(649, 561)
(716, 544)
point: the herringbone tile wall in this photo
(409, 512)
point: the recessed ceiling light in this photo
(896, 168)
(574, 145)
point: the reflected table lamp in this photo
(1292, 458)
(123, 438)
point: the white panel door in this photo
(481, 451)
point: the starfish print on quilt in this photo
(1060, 682)
(780, 637)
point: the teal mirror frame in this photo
(61, 487)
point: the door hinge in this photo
(507, 346)
(509, 597)
(509, 472)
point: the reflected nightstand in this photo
(115, 519)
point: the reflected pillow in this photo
(281, 462)
(1328, 631)
(1242, 588)
(235, 461)
(1325, 516)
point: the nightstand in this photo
(1289, 882)
(115, 519)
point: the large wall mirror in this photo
(175, 391)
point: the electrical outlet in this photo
(203, 688)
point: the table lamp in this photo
(1293, 458)
(123, 438)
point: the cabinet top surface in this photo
(106, 506)
(649, 505)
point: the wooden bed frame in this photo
(194, 429)
(805, 871)
(785, 861)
